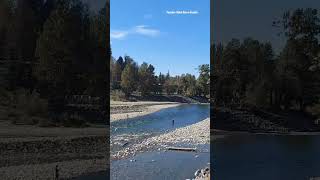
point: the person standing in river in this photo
(172, 122)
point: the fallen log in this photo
(181, 149)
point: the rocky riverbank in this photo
(195, 134)
(260, 121)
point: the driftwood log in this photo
(181, 149)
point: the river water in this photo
(126, 132)
(266, 157)
(161, 121)
(170, 165)
(158, 165)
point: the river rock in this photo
(197, 173)
(202, 174)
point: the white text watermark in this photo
(182, 12)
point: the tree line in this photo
(250, 73)
(53, 48)
(128, 77)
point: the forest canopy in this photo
(52, 49)
(250, 73)
(129, 77)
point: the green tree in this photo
(169, 86)
(147, 81)
(56, 52)
(161, 81)
(128, 83)
(6, 16)
(302, 28)
(116, 75)
(204, 79)
(143, 79)
(24, 35)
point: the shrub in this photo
(27, 107)
(117, 95)
(75, 120)
(314, 110)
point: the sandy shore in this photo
(194, 134)
(124, 110)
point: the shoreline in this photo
(195, 134)
(124, 110)
(292, 133)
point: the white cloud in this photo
(144, 30)
(118, 34)
(139, 30)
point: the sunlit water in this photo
(126, 132)
(156, 165)
(163, 120)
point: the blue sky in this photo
(145, 31)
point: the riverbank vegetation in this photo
(128, 79)
(252, 74)
(52, 52)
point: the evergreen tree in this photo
(204, 79)
(24, 37)
(56, 53)
(144, 79)
(6, 16)
(128, 83)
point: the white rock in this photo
(197, 173)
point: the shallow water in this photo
(161, 165)
(265, 157)
(158, 164)
(162, 120)
(127, 132)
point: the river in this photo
(265, 157)
(158, 165)
(134, 130)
